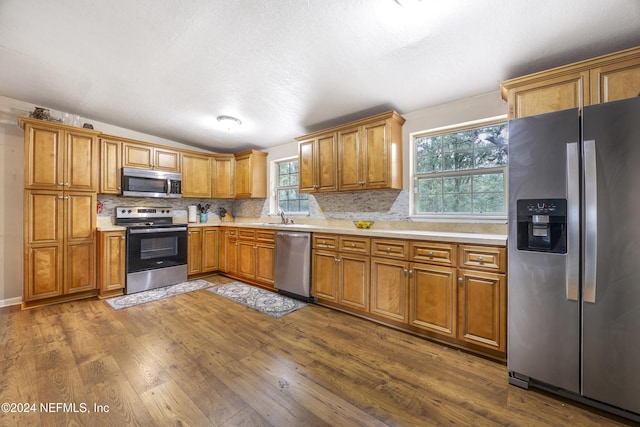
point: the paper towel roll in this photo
(192, 213)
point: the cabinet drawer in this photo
(433, 253)
(355, 244)
(397, 249)
(265, 236)
(246, 234)
(483, 257)
(325, 241)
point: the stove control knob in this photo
(123, 211)
(129, 211)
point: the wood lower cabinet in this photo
(390, 289)
(603, 79)
(203, 248)
(250, 255)
(112, 248)
(194, 251)
(341, 270)
(228, 251)
(482, 309)
(59, 243)
(433, 299)
(448, 292)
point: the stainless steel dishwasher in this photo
(292, 273)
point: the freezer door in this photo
(611, 307)
(544, 314)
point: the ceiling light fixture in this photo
(229, 123)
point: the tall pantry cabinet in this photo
(61, 182)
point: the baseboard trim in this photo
(10, 301)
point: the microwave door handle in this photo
(168, 186)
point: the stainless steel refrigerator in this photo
(574, 254)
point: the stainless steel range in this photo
(156, 247)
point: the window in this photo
(288, 198)
(461, 171)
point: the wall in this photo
(387, 205)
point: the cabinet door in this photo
(246, 259)
(196, 176)
(433, 299)
(232, 255)
(353, 273)
(327, 163)
(80, 246)
(194, 254)
(553, 94)
(349, 153)
(613, 82)
(482, 309)
(325, 275)
(81, 161)
(223, 177)
(44, 157)
(166, 160)
(265, 263)
(390, 289)
(112, 258)
(210, 249)
(110, 163)
(44, 244)
(306, 166)
(137, 156)
(375, 155)
(243, 176)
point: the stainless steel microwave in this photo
(151, 183)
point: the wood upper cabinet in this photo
(362, 155)
(112, 247)
(60, 157)
(251, 174)
(370, 154)
(606, 78)
(223, 175)
(59, 243)
(318, 164)
(110, 165)
(196, 175)
(146, 156)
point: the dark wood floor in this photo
(198, 359)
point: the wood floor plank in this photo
(200, 359)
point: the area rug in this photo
(269, 303)
(156, 294)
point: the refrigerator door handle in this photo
(572, 261)
(590, 221)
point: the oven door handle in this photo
(157, 230)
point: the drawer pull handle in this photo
(388, 250)
(324, 242)
(460, 280)
(480, 259)
(430, 254)
(353, 245)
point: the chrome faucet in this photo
(284, 219)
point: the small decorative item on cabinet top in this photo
(363, 224)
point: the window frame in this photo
(274, 206)
(455, 217)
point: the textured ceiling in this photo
(285, 67)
